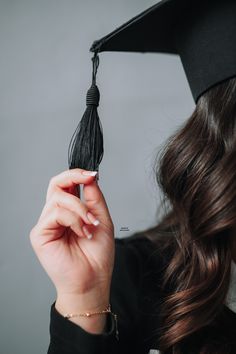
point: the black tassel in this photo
(86, 145)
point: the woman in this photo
(191, 251)
(171, 286)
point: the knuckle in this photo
(55, 198)
(76, 221)
(76, 226)
(75, 170)
(92, 203)
(52, 180)
(32, 235)
(82, 209)
(76, 204)
(56, 214)
(76, 201)
(74, 217)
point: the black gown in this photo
(135, 297)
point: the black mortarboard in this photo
(202, 33)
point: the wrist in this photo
(82, 303)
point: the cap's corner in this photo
(95, 46)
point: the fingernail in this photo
(93, 219)
(87, 233)
(89, 173)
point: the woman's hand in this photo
(79, 267)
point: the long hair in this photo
(196, 172)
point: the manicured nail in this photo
(87, 233)
(89, 173)
(93, 219)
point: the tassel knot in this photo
(93, 96)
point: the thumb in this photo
(95, 201)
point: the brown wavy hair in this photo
(196, 172)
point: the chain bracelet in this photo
(88, 314)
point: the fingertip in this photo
(89, 173)
(87, 232)
(92, 218)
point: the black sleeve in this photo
(67, 337)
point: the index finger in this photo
(68, 179)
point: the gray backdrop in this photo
(45, 71)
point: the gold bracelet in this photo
(88, 314)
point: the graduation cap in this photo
(202, 33)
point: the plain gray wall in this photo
(45, 71)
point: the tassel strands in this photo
(86, 145)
